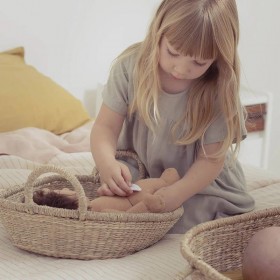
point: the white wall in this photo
(74, 42)
(260, 57)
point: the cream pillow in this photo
(30, 99)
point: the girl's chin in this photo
(178, 78)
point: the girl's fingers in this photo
(110, 189)
(126, 175)
(121, 184)
(104, 190)
(124, 182)
(114, 188)
(118, 183)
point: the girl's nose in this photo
(182, 67)
(181, 70)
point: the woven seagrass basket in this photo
(214, 249)
(77, 234)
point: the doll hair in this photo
(54, 199)
(201, 28)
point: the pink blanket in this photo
(41, 145)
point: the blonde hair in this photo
(201, 28)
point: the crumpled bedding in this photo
(40, 145)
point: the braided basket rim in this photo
(202, 266)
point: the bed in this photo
(41, 123)
(161, 261)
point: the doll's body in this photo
(138, 202)
(261, 260)
(142, 201)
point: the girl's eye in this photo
(171, 53)
(199, 63)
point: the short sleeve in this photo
(115, 93)
(217, 131)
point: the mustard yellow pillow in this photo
(30, 99)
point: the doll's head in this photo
(261, 259)
(64, 198)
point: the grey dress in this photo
(224, 197)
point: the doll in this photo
(261, 259)
(139, 202)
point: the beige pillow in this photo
(30, 99)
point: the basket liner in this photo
(62, 233)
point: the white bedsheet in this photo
(161, 261)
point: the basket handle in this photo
(29, 186)
(125, 154)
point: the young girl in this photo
(174, 99)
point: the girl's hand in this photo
(116, 180)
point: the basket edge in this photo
(201, 265)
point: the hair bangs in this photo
(193, 37)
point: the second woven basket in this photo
(215, 248)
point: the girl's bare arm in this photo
(104, 137)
